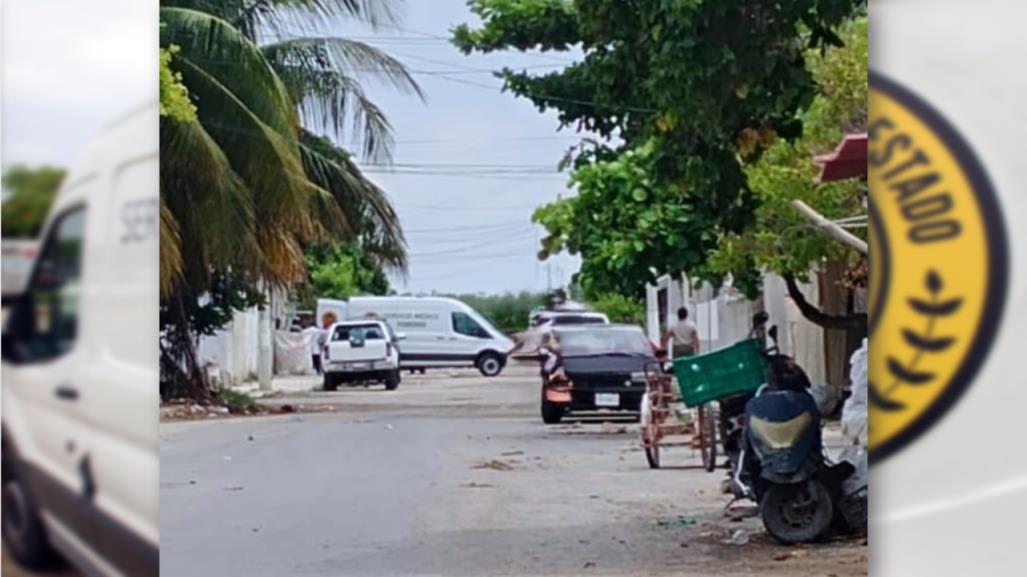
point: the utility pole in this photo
(265, 350)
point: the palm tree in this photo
(248, 182)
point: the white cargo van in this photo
(80, 368)
(440, 332)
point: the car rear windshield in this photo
(360, 332)
(599, 341)
(578, 320)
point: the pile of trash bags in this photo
(854, 412)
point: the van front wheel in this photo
(23, 532)
(490, 364)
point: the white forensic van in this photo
(80, 368)
(439, 331)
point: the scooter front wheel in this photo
(797, 513)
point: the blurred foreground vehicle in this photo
(80, 436)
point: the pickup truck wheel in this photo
(330, 382)
(23, 532)
(392, 380)
(490, 364)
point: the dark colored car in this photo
(594, 367)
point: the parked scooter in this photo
(782, 466)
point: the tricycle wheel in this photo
(649, 434)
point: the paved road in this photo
(450, 475)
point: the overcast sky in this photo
(69, 67)
(473, 232)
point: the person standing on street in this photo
(316, 338)
(684, 336)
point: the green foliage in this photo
(174, 97)
(523, 24)
(507, 312)
(237, 401)
(32, 191)
(780, 239)
(622, 222)
(620, 308)
(229, 292)
(339, 272)
(246, 183)
(255, 176)
(693, 89)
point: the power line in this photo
(505, 177)
(470, 208)
(497, 139)
(522, 226)
(459, 165)
(550, 96)
(464, 228)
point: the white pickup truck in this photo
(360, 351)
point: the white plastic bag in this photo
(854, 413)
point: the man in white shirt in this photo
(684, 336)
(316, 338)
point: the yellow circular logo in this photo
(938, 261)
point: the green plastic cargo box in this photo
(733, 370)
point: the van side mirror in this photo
(401, 336)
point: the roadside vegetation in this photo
(704, 116)
(254, 174)
(28, 194)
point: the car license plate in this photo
(607, 399)
(359, 366)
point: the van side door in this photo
(123, 383)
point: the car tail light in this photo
(326, 355)
(388, 349)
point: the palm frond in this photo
(289, 17)
(372, 219)
(267, 161)
(170, 251)
(213, 45)
(209, 207)
(321, 75)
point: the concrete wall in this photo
(243, 350)
(723, 317)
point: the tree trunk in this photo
(180, 373)
(834, 300)
(819, 317)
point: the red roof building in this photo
(849, 159)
